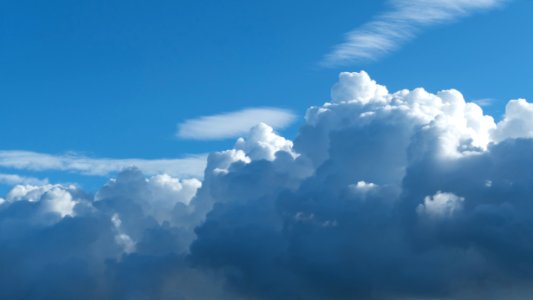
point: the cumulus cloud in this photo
(518, 121)
(363, 187)
(440, 205)
(404, 20)
(233, 124)
(62, 243)
(263, 143)
(381, 195)
(47, 203)
(396, 204)
(191, 166)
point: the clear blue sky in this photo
(114, 78)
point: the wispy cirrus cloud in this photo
(233, 124)
(484, 101)
(189, 166)
(401, 23)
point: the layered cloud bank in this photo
(405, 195)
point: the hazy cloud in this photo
(191, 166)
(13, 179)
(233, 124)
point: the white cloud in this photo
(404, 20)
(49, 199)
(233, 124)
(59, 201)
(27, 192)
(179, 190)
(360, 103)
(157, 195)
(517, 121)
(263, 143)
(440, 205)
(137, 203)
(191, 166)
(358, 87)
(363, 186)
(121, 238)
(484, 101)
(13, 179)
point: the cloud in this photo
(402, 22)
(50, 203)
(440, 205)
(81, 246)
(484, 101)
(263, 143)
(191, 166)
(397, 182)
(13, 179)
(233, 124)
(517, 122)
(381, 195)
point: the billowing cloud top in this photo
(404, 195)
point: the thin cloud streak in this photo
(233, 124)
(13, 179)
(406, 18)
(484, 101)
(190, 166)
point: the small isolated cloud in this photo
(440, 205)
(191, 166)
(233, 124)
(404, 20)
(363, 186)
(484, 101)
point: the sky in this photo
(113, 79)
(272, 150)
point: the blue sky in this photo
(114, 78)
